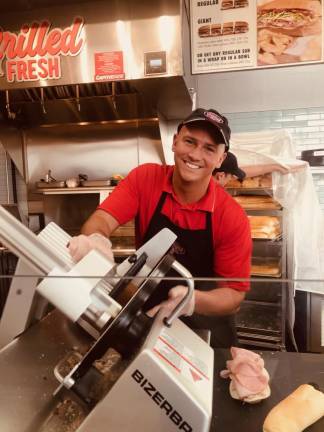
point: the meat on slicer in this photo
(167, 382)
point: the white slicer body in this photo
(168, 382)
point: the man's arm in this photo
(260, 169)
(123, 203)
(100, 222)
(219, 301)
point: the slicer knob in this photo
(132, 259)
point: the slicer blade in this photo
(155, 249)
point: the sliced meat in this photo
(247, 372)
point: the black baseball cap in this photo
(214, 118)
(230, 166)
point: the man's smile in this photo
(192, 165)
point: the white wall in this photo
(262, 90)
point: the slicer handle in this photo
(190, 284)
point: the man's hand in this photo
(81, 245)
(176, 294)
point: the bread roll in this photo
(265, 270)
(299, 410)
(257, 202)
(263, 181)
(267, 227)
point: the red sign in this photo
(109, 66)
(34, 53)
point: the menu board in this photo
(251, 34)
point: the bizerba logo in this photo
(34, 53)
(161, 401)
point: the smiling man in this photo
(213, 232)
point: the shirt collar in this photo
(206, 203)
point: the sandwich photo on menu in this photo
(216, 30)
(289, 31)
(241, 3)
(241, 27)
(227, 4)
(204, 31)
(228, 28)
(233, 4)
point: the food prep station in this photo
(68, 138)
(66, 382)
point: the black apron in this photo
(194, 250)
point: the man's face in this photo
(196, 154)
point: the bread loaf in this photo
(265, 270)
(297, 411)
(267, 227)
(262, 181)
(257, 202)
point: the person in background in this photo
(228, 170)
(213, 231)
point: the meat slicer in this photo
(165, 380)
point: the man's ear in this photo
(174, 142)
(224, 157)
(220, 160)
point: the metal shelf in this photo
(262, 212)
(103, 191)
(261, 319)
(250, 191)
(317, 169)
(75, 190)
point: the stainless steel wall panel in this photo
(98, 150)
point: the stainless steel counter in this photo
(26, 372)
(27, 382)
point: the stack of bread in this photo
(257, 202)
(264, 181)
(249, 378)
(265, 227)
(267, 267)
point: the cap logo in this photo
(213, 117)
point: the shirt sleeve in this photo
(232, 256)
(123, 202)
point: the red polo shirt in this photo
(138, 195)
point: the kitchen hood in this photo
(95, 102)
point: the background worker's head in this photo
(200, 144)
(228, 170)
